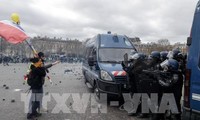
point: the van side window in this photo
(93, 53)
(87, 54)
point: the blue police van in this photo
(191, 107)
(102, 63)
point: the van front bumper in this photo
(115, 88)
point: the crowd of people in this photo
(5, 59)
(165, 72)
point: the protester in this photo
(35, 81)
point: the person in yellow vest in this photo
(36, 80)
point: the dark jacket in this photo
(37, 76)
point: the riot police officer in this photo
(163, 55)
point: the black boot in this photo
(30, 116)
(36, 114)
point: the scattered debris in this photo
(47, 93)
(67, 70)
(53, 73)
(13, 100)
(6, 87)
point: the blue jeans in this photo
(35, 100)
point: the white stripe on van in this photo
(120, 73)
(196, 96)
(113, 72)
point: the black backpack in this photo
(32, 80)
(29, 79)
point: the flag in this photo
(11, 32)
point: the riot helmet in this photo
(163, 55)
(170, 64)
(155, 55)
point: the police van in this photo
(102, 67)
(191, 107)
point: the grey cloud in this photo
(149, 19)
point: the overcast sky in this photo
(148, 19)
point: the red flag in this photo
(12, 32)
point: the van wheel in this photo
(97, 93)
(85, 79)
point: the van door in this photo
(93, 69)
(194, 62)
(86, 67)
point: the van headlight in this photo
(105, 76)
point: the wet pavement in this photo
(67, 79)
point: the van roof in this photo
(114, 41)
(198, 7)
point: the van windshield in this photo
(113, 54)
(110, 41)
